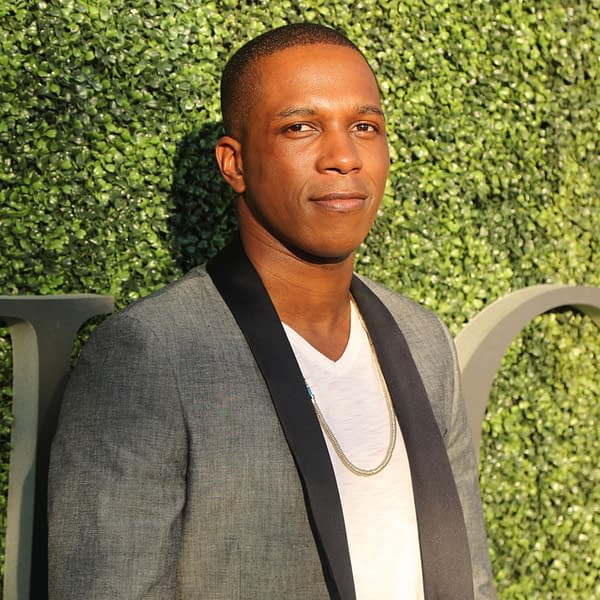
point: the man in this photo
(272, 426)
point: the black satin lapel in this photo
(243, 291)
(445, 554)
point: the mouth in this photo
(341, 201)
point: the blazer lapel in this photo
(241, 288)
(442, 533)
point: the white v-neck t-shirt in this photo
(379, 510)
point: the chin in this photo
(323, 255)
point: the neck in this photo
(311, 296)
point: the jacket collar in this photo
(442, 533)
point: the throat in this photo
(313, 299)
(329, 336)
(331, 345)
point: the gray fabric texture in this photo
(170, 477)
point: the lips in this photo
(341, 201)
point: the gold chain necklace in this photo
(391, 415)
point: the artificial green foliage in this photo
(108, 115)
(540, 471)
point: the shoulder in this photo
(419, 325)
(191, 303)
(181, 298)
(185, 318)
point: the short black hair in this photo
(237, 86)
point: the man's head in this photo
(308, 154)
(240, 77)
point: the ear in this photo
(229, 156)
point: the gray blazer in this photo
(173, 474)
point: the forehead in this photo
(314, 72)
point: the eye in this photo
(299, 128)
(364, 127)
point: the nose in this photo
(339, 153)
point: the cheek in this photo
(274, 169)
(376, 162)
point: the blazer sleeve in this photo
(118, 471)
(466, 475)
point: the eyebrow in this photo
(370, 109)
(296, 111)
(307, 111)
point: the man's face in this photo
(314, 153)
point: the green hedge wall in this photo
(108, 115)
